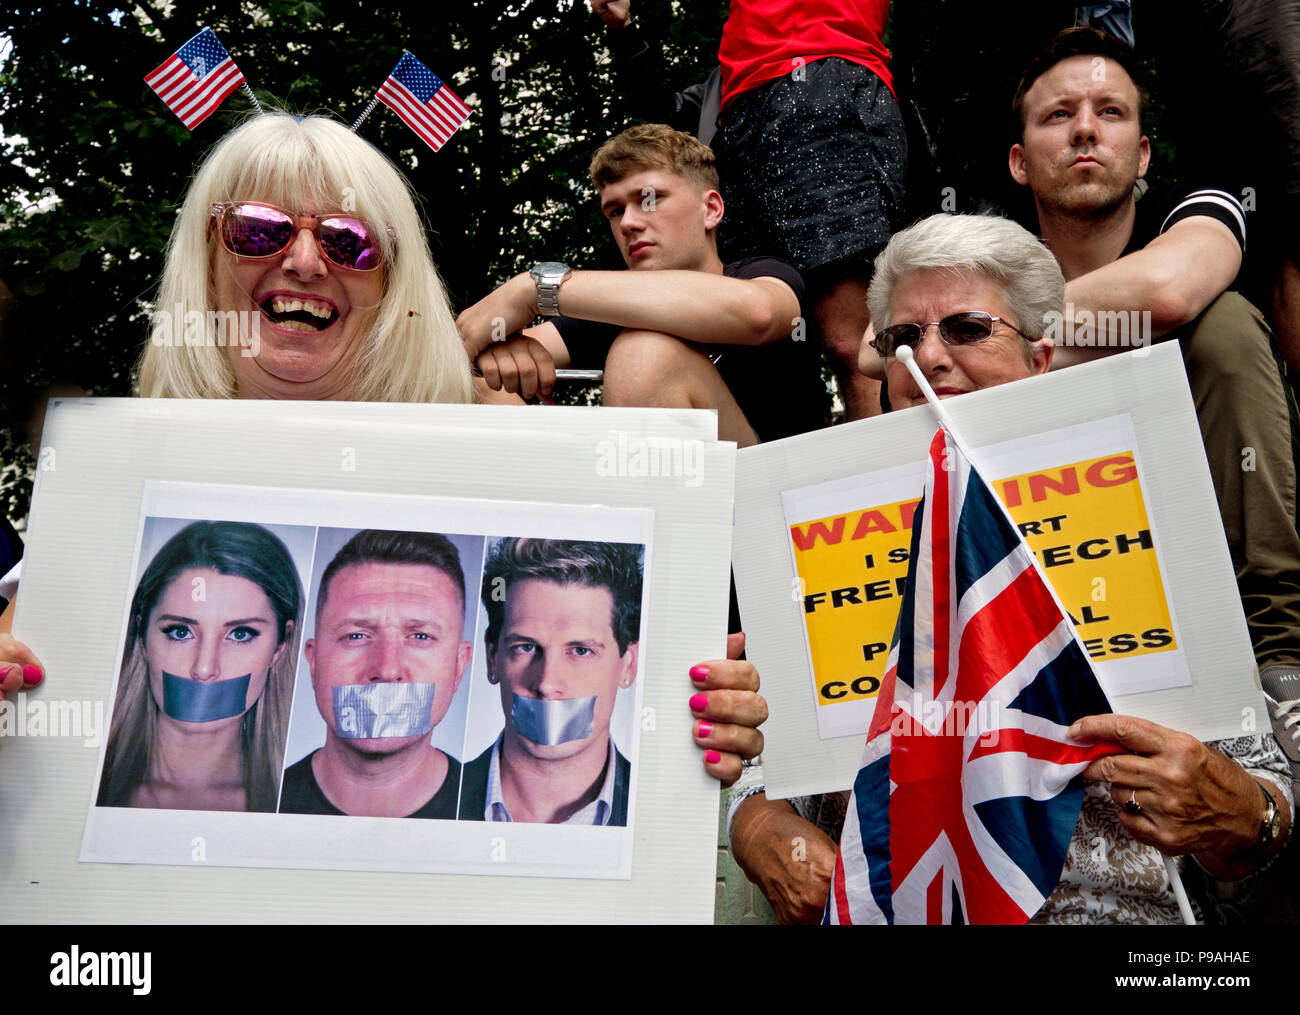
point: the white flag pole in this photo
(905, 356)
(1180, 893)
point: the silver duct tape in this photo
(363, 711)
(553, 721)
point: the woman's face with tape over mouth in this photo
(210, 627)
(557, 642)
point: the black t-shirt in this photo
(1156, 211)
(301, 793)
(778, 386)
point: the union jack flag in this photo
(969, 788)
(196, 79)
(424, 103)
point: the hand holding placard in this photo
(729, 709)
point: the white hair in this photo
(985, 245)
(411, 352)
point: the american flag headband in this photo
(199, 76)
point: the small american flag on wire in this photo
(196, 79)
(424, 103)
(969, 789)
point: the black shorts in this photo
(812, 170)
(778, 387)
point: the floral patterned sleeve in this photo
(1261, 756)
(749, 783)
(1112, 878)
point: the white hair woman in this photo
(298, 268)
(1007, 283)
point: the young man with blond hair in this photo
(679, 328)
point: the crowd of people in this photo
(792, 237)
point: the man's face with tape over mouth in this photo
(557, 642)
(388, 623)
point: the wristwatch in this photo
(549, 276)
(1271, 824)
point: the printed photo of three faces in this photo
(377, 673)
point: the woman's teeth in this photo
(313, 307)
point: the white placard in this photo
(98, 457)
(1019, 427)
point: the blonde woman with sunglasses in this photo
(298, 268)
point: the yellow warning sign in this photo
(1086, 522)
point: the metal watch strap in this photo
(549, 276)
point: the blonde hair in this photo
(412, 351)
(654, 146)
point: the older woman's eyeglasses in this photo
(252, 229)
(955, 329)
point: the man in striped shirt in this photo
(1139, 269)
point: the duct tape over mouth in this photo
(553, 721)
(363, 711)
(204, 700)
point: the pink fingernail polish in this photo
(32, 675)
(712, 757)
(699, 702)
(704, 729)
(699, 673)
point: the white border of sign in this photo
(1147, 385)
(81, 541)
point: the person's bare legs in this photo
(653, 370)
(842, 318)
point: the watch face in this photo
(546, 268)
